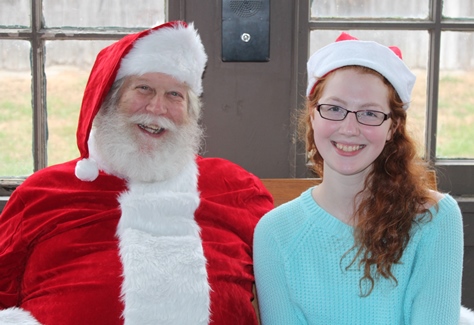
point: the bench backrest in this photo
(286, 189)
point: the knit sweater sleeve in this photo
(434, 293)
(270, 271)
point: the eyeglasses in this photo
(365, 117)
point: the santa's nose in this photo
(157, 106)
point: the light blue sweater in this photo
(301, 278)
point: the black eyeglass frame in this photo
(386, 116)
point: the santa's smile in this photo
(348, 148)
(152, 129)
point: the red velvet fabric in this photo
(59, 254)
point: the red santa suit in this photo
(79, 248)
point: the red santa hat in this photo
(348, 50)
(173, 48)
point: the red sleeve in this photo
(232, 202)
(13, 251)
(58, 247)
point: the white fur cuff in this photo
(467, 316)
(17, 316)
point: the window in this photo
(47, 48)
(437, 41)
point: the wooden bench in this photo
(287, 189)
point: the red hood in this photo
(101, 79)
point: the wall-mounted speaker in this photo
(245, 30)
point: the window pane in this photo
(16, 126)
(456, 96)
(93, 13)
(414, 47)
(458, 9)
(66, 74)
(370, 8)
(15, 13)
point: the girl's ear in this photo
(392, 130)
(311, 112)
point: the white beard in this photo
(116, 150)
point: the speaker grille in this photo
(245, 8)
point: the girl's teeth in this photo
(347, 148)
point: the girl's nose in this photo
(350, 125)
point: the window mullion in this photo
(433, 78)
(38, 88)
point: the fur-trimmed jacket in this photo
(108, 252)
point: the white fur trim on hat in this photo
(87, 169)
(176, 51)
(367, 54)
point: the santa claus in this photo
(139, 229)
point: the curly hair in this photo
(394, 192)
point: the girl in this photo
(372, 244)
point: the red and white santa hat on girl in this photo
(173, 48)
(348, 50)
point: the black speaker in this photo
(245, 30)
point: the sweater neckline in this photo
(322, 219)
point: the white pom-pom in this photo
(87, 169)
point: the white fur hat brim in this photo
(363, 53)
(176, 51)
